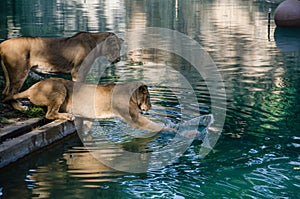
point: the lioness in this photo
(65, 99)
(54, 55)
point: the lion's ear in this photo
(143, 89)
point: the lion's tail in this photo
(7, 81)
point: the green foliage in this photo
(134, 63)
(35, 111)
(4, 120)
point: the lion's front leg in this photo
(168, 129)
(60, 116)
(54, 104)
(141, 122)
(79, 74)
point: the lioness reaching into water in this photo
(54, 55)
(65, 99)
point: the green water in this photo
(257, 154)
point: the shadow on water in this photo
(287, 39)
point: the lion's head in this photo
(112, 48)
(141, 97)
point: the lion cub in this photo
(66, 99)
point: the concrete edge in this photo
(16, 148)
(20, 128)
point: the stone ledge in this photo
(20, 128)
(16, 148)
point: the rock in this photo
(287, 14)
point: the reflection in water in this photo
(262, 88)
(81, 164)
(288, 40)
(75, 171)
(60, 18)
(120, 147)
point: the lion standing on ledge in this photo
(66, 99)
(54, 55)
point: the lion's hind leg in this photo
(54, 107)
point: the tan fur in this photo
(54, 55)
(124, 100)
